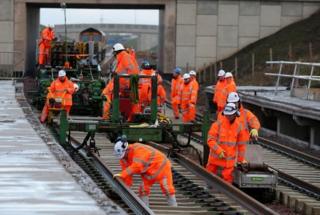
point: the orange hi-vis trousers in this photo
(225, 173)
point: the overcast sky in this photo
(78, 16)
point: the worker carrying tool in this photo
(227, 142)
(249, 121)
(126, 65)
(176, 83)
(220, 92)
(47, 35)
(151, 164)
(193, 76)
(60, 91)
(107, 95)
(188, 99)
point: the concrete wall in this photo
(210, 30)
(6, 35)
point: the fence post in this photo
(271, 57)
(187, 67)
(310, 51)
(211, 74)
(236, 67)
(221, 64)
(252, 63)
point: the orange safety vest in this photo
(195, 83)
(145, 86)
(126, 65)
(175, 86)
(228, 137)
(63, 90)
(231, 86)
(47, 35)
(248, 120)
(144, 160)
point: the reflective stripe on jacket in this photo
(144, 160)
(63, 90)
(227, 137)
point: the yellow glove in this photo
(221, 155)
(117, 175)
(254, 133)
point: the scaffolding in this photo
(295, 74)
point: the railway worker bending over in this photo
(151, 164)
(61, 91)
(227, 142)
(249, 121)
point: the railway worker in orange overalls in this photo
(107, 95)
(145, 84)
(220, 92)
(188, 99)
(161, 93)
(231, 85)
(62, 89)
(47, 35)
(125, 65)
(151, 164)
(176, 83)
(227, 142)
(193, 75)
(249, 121)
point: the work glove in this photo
(118, 175)
(221, 155)
(254, 133)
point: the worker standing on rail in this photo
(227, 142)
(193, 76)
(188, 99)
(107, 95)
(176, 83)
(249, 121)
(151, 164)
(60, 89)
(126, 64)
(220, 92)
(47, 35)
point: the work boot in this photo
(172, 201)
(145, 199)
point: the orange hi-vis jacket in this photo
(228, 137)
(63, 90)
(141, 159)
(126, 65)
(195, 83)
(161, 95)
(220, 94)
(248, 120)
(231, 86)
(175, 87)
(145, 87)
(187, 95)
(47, 35)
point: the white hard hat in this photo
(233, 97)
(76, 87)
(62, 73)
(192, 72)
(120, 147)
(230, 109)
(221, 73)
(118, 47)
(228, 75)
(186, 75)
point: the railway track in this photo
(192, 195)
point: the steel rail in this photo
(126, 194)
(233, 193)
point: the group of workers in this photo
(227, 137)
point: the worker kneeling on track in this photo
(227, 142)
(151, 164)
(60, 91)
